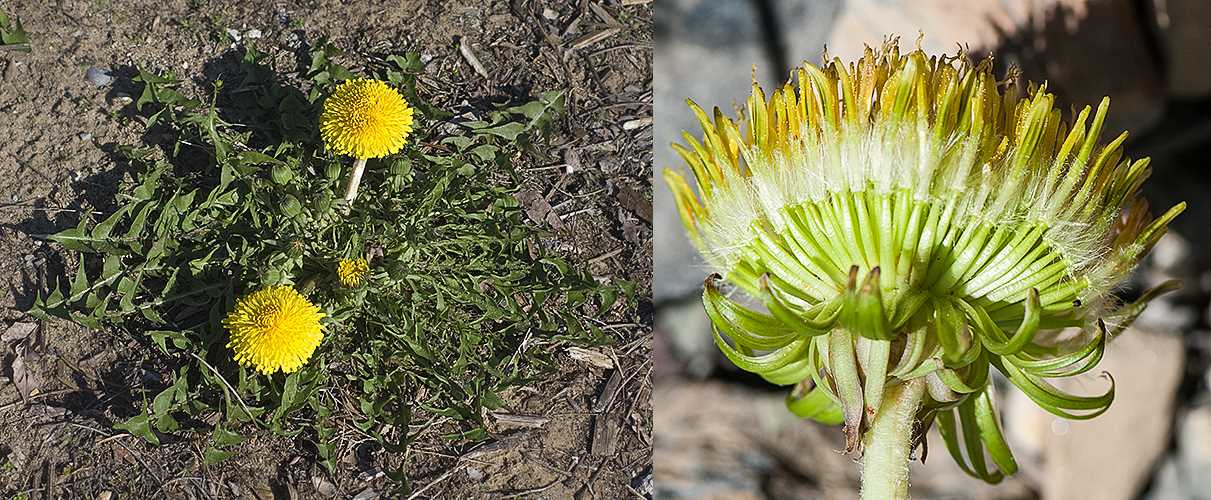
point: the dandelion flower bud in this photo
(352, 272)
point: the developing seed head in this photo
(908, 216)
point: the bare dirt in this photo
(590, 431)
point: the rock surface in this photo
(685, 333)
(938, 25)
(1064, 42)
(1187, 42)
(98, 77)
(1194, 452)
(716, 441)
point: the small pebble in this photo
(475, 474)
(550, 14)
(253, 33)
(1172, 254)
(85, 136)
(233, 34)
(98, 77)
(636, 123)
(1167, 315)
(366, 494)
(324, 487)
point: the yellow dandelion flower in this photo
(274, 329)
(365, 119)
(351, 272)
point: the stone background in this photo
(722, 434)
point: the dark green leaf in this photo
(212, 455)
(139, 425)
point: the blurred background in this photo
(720, 433)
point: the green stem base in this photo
(888, 443)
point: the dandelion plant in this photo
(895, 227)
(265, 304)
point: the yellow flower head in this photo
(365, 119)
(351, 272)
(274, 329)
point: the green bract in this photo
(902, 224)
(460, 300)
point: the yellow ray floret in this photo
(365, 119)
(274, 329)
(351, 272)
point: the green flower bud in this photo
(332, 171)
(294, 248)
(291, 206)
(401, 166)
(281, 173)
(321, 204)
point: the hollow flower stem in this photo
(355, 179)
(888, 443)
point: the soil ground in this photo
(57, 132)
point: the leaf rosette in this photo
(432, 293)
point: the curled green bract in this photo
(906, 219)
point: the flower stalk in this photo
(889, 442)
(355, 180)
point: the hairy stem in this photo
(888, 442)
(355, 179)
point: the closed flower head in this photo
(274, 329)
(365, 119)
(351, 272)
(907, 222)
